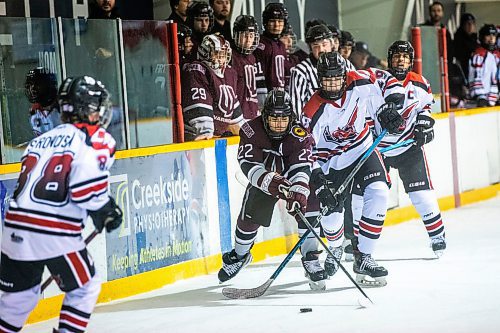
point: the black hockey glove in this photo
(390, 119)
(109, 216)
(325, 193)
(424, 131)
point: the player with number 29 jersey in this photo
(64, 173)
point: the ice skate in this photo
(438, 245)
(231, 265)
(313, 270)
(331, 266)
(369, 273)
(348, 251)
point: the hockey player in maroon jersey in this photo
(484, 68)
(336, 116)
(63, 180)
(411, 161)
(200, 19)
(294, 54)
(275, 155)
(209, 100)
(40, 88)
(271, 53)
(246, 39)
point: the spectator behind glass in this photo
(103, 9)
(465, 41)
(483, 68)
(179, 11)
(222, 11)
(436, 13)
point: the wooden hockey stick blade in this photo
(236, 293)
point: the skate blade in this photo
(369, 282)
(317, 285)
(349, 257)
(439, 253)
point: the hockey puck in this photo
(303, 310)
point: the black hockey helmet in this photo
(40, 86)
(243, 24)
(346, 39)
(487, 29)
(274, 11)
(278, 105)
(335, 31)
(400, 46)
(317, 33)
(313, 22)
(331, 65)
(288, 32)
(183, 32)
(199, 9)
(81, 96)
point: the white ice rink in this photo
(458, 293)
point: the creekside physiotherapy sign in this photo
(165, 214)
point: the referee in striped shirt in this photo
(304, 77)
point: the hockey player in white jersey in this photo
(336, 116)
(63, 179)
(411, 160)
(40, 87)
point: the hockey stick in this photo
(327, 249)
(236, 293)
(51, 278)
(397, 145)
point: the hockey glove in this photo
(390, 119)
(275, 185)
(326, 193)
(109, 216)
(297, 198)
(424, 131)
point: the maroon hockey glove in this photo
(390, 119)
(424, 132)
(275, 185)
(109, 216)
(297, 198)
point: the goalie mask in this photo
(401, 66)
(277, 114)
(332, 75)
(246, 34)
(80, 98)
(40, 87)
(215, 52)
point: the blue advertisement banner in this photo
(165, 214)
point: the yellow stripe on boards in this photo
(152, 280)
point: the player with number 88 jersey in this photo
(63, 179)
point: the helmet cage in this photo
(332, 65)
(400, 47)
(215, 52)
(242, 25)
(277, 105)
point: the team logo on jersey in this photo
(227, 100)
(347, 132)
(250, 81)
(299, 132)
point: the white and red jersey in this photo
(64, 173)
(483, 74)
(43, 120)
(418, 100)
(341, 128)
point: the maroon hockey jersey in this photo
(210, 99)
(246, 87)
(290, 157)
(271, 56)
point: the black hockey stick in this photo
(51, 278)
(236, 293)
(327, 249)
